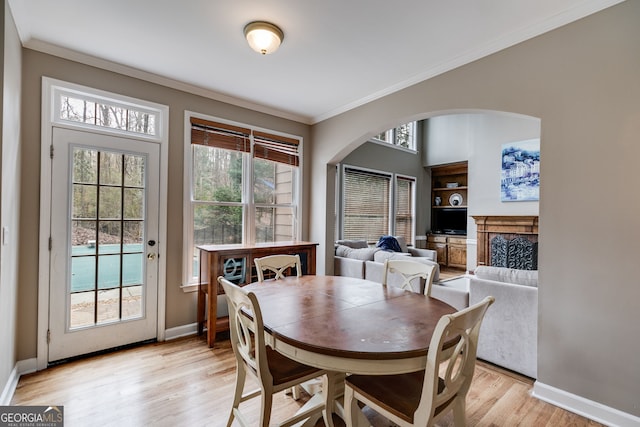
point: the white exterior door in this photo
(104, 228)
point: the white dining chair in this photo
(419, 399)
(277, 264)
(410, 272)
(273, 371)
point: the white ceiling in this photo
(336, 54)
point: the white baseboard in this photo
(181, 331)
(585, 407)
(10, 387)
(22, 367)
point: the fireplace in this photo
(508, 241)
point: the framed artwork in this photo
(520, 177)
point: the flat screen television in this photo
(449, 221)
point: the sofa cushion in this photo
(355, 244)
(363, 254)
(403, 243)
(381, 256)
(508, 275)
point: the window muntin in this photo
(243, 187)
(376, 203)
(402, 136)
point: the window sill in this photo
(189, 288)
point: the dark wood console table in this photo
(235, 262)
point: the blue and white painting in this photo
(520, 179)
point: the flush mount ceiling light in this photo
(263, 37)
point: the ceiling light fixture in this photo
(263, 37)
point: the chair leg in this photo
(237, 396)
(459, 412)
(295, 392)
(330, 390)
(267, 401)
(350, 406)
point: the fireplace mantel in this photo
(508, 228)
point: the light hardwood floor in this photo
(184, 383)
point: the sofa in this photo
(509, 331)
(354, 258)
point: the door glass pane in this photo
(110, 168)
(133, 203)
(108, 305)
(131, 302)
(83, 309)
(110, 202)
(85, 201)
(107, 253)
(133, 171)
(85, 166)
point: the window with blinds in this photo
(404, 207)
(376, 203)
(366, 204)
(243, 186)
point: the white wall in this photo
(478, 138)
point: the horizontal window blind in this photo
(221, 135)
(404, 208)
(276, 148)
(267, 146)
(366, 204)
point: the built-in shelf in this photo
(449, 221)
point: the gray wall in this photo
(582, 81)
(9, 194)
(385, 158)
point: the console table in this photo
(235, 263)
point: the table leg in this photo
(212, 315)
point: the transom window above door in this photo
(104, 113)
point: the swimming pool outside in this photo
(108, 257)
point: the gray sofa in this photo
(509, 331)
(354, 258)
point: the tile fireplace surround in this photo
(508, 241)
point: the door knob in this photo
(151, 256)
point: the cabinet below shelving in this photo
(451, 250)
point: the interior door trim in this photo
(46, 126)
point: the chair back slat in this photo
(410, 272)
(278, 265)
(449, 371)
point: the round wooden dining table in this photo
(345, 324)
